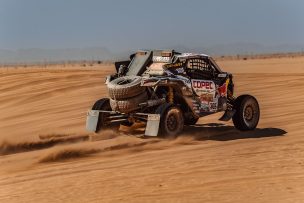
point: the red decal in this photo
(222, 90)
(202, 84)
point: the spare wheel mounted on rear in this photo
(128, 105)
(125, 87)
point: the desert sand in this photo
(47, 156)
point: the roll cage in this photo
(195, 64)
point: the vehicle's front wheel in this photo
(247, 113)
(171, 120)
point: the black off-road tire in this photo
(128, 105)
(103, 105)
(125, 87)
(171, 120)
(247, 113)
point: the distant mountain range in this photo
(101, 53)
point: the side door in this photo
(202, 75)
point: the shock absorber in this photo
(171, 95)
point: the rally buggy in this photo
(166, 90)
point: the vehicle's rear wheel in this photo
(104, 105)
(171, 120)
(247, 113)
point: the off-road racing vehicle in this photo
(166, 90)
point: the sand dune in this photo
(47, 156)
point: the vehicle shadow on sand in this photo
(221, 132)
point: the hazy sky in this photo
(132, 24)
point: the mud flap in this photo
(92, 120)
(227, 115)
(152, 125)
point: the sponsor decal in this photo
(187, 54)
(206, 98)
(222, 90)
(203, 85)
(206, 90)
(212, 97)
(161, 59)
(204, 107)
(222, 75)
(213, 106)
(173, 65)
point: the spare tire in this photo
(128, 105)
(125, 87)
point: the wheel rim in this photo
(250, 113)
(172, 122)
